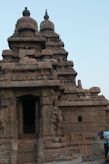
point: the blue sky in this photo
(83, 26)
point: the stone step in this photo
(4, 154)
(76, 162)
(4, 161)
(57, 154)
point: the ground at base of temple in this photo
(80, 159)
(79, 162)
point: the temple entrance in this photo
(28, 110)
(29, 116)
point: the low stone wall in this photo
(97, 152)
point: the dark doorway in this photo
(79, 118)
(28, 111)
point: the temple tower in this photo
(43, 112)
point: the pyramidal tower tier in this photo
(44, 115)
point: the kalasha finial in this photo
(46, 17)
(26, 12)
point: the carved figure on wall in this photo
(56, 119)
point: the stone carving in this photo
(79, 84)
(56, 118)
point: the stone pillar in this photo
(46, 112)
(40, 151)
(14, 121)
(14, 150)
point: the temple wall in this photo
(84, 119)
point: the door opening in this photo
(28, 111)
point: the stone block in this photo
(7, 53)
(23, 53)
(44, 65)
(47, 52)
(46, 100)
(26, 60)
(8, 66)
(98, 148)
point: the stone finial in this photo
(26, 12)
(46, 17)
(79, 84)
(46, 25)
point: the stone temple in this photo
(44, 115)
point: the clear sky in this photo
(83, 26)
